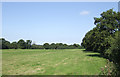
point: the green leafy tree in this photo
(60, 46)
(0, 43)
(5, 44)
(89, 40)
(14, 45)
(76, 45)
(106, 25)
(21, 44)
(46, 46)
(53, 46)
(114, 51)
(40, 46)
(34, 46)
(28, 44)
(65, 46)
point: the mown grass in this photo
(51, 62)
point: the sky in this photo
(51, 22)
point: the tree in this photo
(14, 45)
(113, 53)
(89, 40)
(34, 46)
(28, 44)
(108, 21)
(76, 45)
(106, 25)
(21, 44)
(0, 43)
(59, 46)
(5, 44)
(53, 46)
(65, 46)
(46, 46)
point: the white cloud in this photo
(84, 12)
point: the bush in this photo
(109, 69)
(114, 51)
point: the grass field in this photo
(51, 62)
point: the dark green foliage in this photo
(34, 46)
(28, 44)
(21, 44)
(88, 40)
(114, 51)
(46, 46)
(108, 21)
(14, 45)
(0, 43)
(97, 39)
(61, 46)
(53, 46)
(76, 45)
(5, 44)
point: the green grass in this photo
(50, 62)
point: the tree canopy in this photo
(106, 25)
(21, 44)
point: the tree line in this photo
(105, 37)
(21, 44)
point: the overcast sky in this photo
(51, 22)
